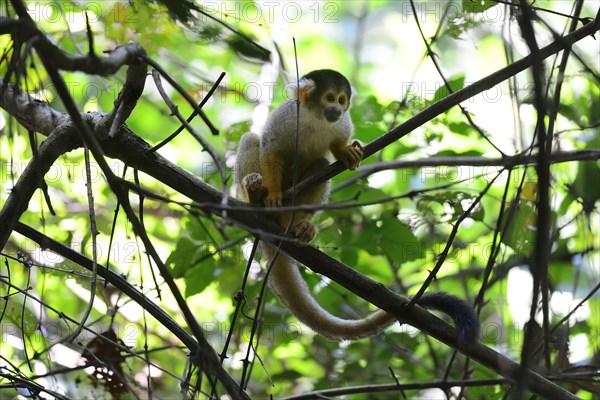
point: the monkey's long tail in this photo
(291, 289)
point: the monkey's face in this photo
(334, 104)
(326, 93)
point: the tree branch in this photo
(62, 140)
(508, 162)
(539, 264)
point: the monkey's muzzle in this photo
(332, 114)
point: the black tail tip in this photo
(465, 319)
(467, 329)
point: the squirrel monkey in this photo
(265, 168)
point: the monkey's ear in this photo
(301, 90)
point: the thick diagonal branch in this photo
(60, 141)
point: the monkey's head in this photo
(325, 92)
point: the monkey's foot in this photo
(255, 187)
(304, 231)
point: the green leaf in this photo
(368, 237)
(183, 257)
(24, 319)
(247, 47)
(235, 131)
(477, 6)
(198, 278)
(349, 256)
(586, 185)
(567, 201)
(180, 9)
(478, 214)
(398, 241)
(457, 25)
(368, 119)
(456, 83)
(520, 235)
(369, 110)
(368, 131)
(461, 128)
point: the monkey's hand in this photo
(273, 199)
(350, 155)
(271, 167)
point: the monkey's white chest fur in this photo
(315, 133)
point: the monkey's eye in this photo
(342, 100)
(330, 98)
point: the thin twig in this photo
(94, 233)
(192, 115)
(174, 111)
(182, 92)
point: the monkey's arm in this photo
(271, 169)
(247, 168)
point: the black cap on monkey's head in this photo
(329, 79)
